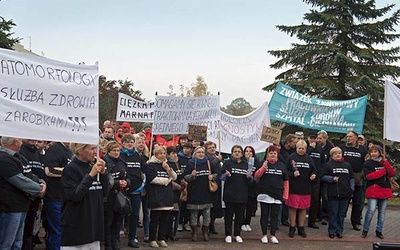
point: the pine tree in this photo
(6, 42)
(345, 52)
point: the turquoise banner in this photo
(289, 106)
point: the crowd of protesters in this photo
(71, 189)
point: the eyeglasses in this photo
(200, 152)
(212, 147)
(115, 150)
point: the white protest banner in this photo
(131, 110)
(172, 114)
(391, 121)
(47, 99)
(242, 130)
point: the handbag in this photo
(212, 185)
(122, 204)
(394, 185)
(183, 194)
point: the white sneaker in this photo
(228, 239)
(264, 240)
(180, 227)
(248, 228)
(239, 239)
(244, 228)
(187, 227)
(274, 240)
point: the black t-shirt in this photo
(342, 188)
(12, 199)
(34, 159)
(56, 156)
(355, 156)
(305, 165)
(236, 186)
(271, 182)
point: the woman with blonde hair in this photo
(160, 195)
(85, 184)
(301, 171)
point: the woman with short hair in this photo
(113, 221)
(159, 176)
(199, 197)
(84, 184)
(301, 171)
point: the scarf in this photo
(128, 152)
(198, 161)
(154, 159)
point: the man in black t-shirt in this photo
(16, 188)
(56, 158)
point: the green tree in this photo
(6, 40)
(199, 88)
(108, 97)
(238, 107)
(345, 52)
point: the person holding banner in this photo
(273, 186)
(56, 158)
(301, 171)
(84, 185)
(113, 221)
(215, 159)
(17, 189)
(199, 198)
(237, 178)
(184, 157)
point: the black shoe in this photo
(212, 229)
(364, 234)
(286, 224)
(301, 232)
(292, 230)
(324, 222)
(379, 235)
(133, 244)
(356, 227)
(313, 225)
(331, 236)
(339, 235)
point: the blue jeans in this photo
(11, 230)
(372, 204)
(337, 211)
(146, 216)
(53, 215)
(134, 217)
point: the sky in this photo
(157, 43)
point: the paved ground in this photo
(317, 238)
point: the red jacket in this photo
(376, 191)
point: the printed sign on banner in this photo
(272, 135)
(47, 99)
(197, 132)
(172, 114)
(289, 106)
(131, 110)
(242, 130)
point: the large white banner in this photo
(47, 99)
(172, 114)
(242, 130)
(391, 121)
(132, 110)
